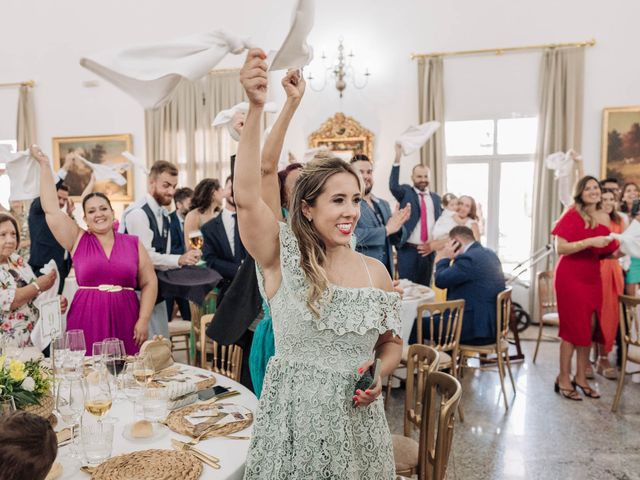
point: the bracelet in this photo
(35, 284)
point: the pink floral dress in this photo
(18, 323)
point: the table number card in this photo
(51, 320)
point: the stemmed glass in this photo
(97, 394)
(77, 348)
(143, 369)
(70, 405)
(60, 356)
(196, 241)
(7, 405)
(132, 389)
(114, 357)
(96, 354)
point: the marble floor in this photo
(542, 436)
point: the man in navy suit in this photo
(182, 199)
(415, 257)
(223, 251)
(378, 229)
(475, 275)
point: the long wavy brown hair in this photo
(579, 204)
(308, 188)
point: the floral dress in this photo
(306, 426)
(16, 324)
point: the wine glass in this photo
(196, 241)
(60, 355)
(114, 357)
(96, 354)
(70, 405)
(131, 387)
(77, 348)
(97, 394)
(143, 369)
(7, 405)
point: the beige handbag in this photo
(159, 349)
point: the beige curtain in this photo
(561, 91)
(181, 130)
(26, 124)
(431, 108)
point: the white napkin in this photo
(107, 171)
(139, 164)
(295, 52)
(225, 117)
(23, 172)
(150, 73)
(563, 165)
(415, 137)
(629, 239)
(36, 335)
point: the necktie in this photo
(424, 230)
(236, 237)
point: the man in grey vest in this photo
(149, 221)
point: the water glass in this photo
(130, 386)
(60, 355)
(97, 441)
(77, 348)
(154, 404)
(7, 405)
(96, 354)
(70, 405)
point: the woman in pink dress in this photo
(109, 268)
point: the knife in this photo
(200, 455)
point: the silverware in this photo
(200, 455)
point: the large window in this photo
(491, 160)
(4, 178)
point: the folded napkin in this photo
(415, 137)
(139, 164)
(295, 52)
(225, 117)
(563, 165)
(23, 172)
(629, 239)
(39, 340)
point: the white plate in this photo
(159, 431)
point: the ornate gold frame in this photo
(627, 163)
(343, 134)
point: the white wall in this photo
(43, 40)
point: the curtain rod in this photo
(500, 51)
(28, 83)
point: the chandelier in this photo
(341, 71)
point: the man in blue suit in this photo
(182, 199)
(475, 275)
(415, 257)
(378, 229)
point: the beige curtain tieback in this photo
(107, 288)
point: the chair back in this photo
(227, 359)
(546, 293)
(445, 325)
(503, 314)
(441, 398)
(630, 324)
(422, 361)
(197, 312)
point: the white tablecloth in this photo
(414, 295)
(232, 453)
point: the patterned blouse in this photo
(18, 323)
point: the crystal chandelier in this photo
(341, 70)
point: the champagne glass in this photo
(196, 241)
(70, 405)
(77, 348)
(7, 405)
(97, 394)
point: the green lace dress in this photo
(306, 426)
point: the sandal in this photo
(569, 394)
(609, 372)
(586, 390)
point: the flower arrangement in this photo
(27, 382)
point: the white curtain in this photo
(431, 108)
(181, 130)
(26, 122)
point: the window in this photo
(491, 160)
(4, 178)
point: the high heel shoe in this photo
(587, 391)
(569, 394)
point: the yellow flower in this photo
(2, 359)
(16, 370)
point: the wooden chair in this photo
(443, 336)
(501, 347)
(629, 337)
(441, 398)
(227, 359)
(180, 336)
(547, 305)
(422, 362)
(197, 312)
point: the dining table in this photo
(232, 452)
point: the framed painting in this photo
(344, 136)
(621, 144)
(77, 153)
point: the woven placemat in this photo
(177, 422)
(150, 465)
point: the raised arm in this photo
(89, 188)
(64, 229)
(256, 221)
(294, 85)
(394, 178)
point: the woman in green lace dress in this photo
(333, 311)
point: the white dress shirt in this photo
(229, 223)
(431, 218)
(137, 223)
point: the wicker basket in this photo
(44, 409)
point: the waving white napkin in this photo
(629, 239)
(23, 172)
(563, 165)
(139, 164)
(295, 52)
(225, 117)
(415, 137)
(47, 295)
(107, 171)
(150, 73)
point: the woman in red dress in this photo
(581, 240)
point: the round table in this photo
(414, 295)
(232, 453)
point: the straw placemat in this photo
(177, 422)
(150, 465)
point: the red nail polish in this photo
(367, 392)
(358, 392)
(355, 399)
(360, 370)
